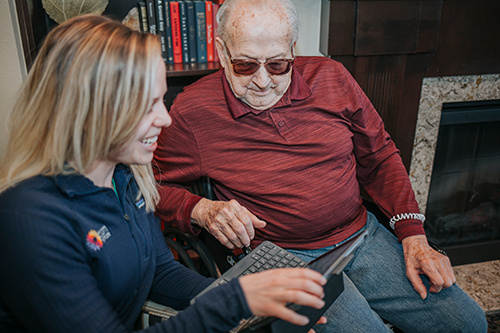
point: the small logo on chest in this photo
(96, 239)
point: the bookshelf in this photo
(193, 69)
(35, 23)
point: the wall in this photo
(11, 65)
(309, 15)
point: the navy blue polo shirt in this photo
(76, 258)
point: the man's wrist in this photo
(199, 210)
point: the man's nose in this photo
(261, 77)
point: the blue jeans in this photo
(376, 287)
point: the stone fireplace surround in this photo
(435, 92)
(480, 280)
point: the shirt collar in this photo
(299, 89)
(75, 184)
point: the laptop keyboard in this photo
(270, 256)
(266, 256)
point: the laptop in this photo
(268, 256)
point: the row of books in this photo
(186, 28)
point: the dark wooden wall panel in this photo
(342, 27)
(382, 79)
(385, 44)
(469, 39)
(389, 46)
(387, 27)
(428, 31)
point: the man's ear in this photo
(219, 44)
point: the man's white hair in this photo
(226, 10)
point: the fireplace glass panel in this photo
(463, 205)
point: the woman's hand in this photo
(267, 293)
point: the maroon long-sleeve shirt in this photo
(297, 165)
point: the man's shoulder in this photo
(313, 68)
(308, 62)
(208, 90)
(323, 71)
(206, 83)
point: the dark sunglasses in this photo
(250, 66)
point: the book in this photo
(160, 20)
(143, 16)
(176, 31)
(168, 32)
(191, 30)
(215, 9)
(151, 10)
(184, 31)
(210, 30)
(201, 31)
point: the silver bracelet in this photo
(406, 216)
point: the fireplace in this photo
(455, 169)
(463, 204)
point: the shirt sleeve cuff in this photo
(407, 228)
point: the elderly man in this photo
(288, 141)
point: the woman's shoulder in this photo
(29, 208)
(27, 192)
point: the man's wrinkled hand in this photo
(228, 221)
(421, 259)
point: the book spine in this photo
(143, 16)
(215, 9)
(151, 10)
(168, 32)
(191, 20)
(184, 31)
(201, 31)
(176, 31)
(160, 11)
(210, 30)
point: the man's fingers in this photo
(256, 222)
(438, 269)
(440, 276)
(242, 223)
(242, 233)
(228, 221)
(417, 284)
(222, 238)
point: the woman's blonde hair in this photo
(83, 99)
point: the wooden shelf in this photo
(35, 24)
(192, 69)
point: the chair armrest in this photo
(153, 313)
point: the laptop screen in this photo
(335, 260)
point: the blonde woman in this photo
(80, 247)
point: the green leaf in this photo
(62, 10)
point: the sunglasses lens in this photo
(245, 67)
(278, 67)
(274, 67)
